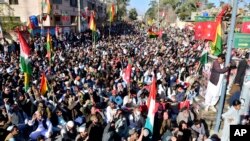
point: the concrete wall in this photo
(26, 8)
(6, 10)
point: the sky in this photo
(143, 5)
(140, 5)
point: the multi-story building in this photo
(64, 12)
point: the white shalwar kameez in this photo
(214, 91)
(233, 115)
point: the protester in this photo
(13, 133)
(89, 90)
(215, 83)
(231, 117)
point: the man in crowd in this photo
(86, 85)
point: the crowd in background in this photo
(88, 99)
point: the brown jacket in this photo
(216, 71)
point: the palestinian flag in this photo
(152, 107)
(25, 64)
(43, 86)
(204, 57)
(49, 47)
(112, 13)
(92, 24)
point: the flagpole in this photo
(228, 58)
(79, 16)
(41, 18)
(93, 38)
(158, 16)
(109, 31)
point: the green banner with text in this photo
(241, 40)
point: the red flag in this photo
(205, 30)
(128, 71)
(245, 27)
(153, 91)
(159, 33)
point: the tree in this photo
(133, 14)
(210, 5)
(7, 21)
(121, 8)
(185, 9)
(151, 12)
(173, 3)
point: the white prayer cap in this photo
(70, 124)
(10, 128)
(81, 129)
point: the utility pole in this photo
(79, 15)
(228, 57)
(41, 17)
(158, 15)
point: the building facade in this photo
(64, 12)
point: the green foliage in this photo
(7, 26)
(210, 5)
(151, 12)
(133, 14)
(183, 10)
(121, 7)
(173, 3)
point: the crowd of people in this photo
(87, 97)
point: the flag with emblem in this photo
(245, 27)
(205, 30)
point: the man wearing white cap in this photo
(83, 134)
(41, 125)
(13, 133)
(69, 131)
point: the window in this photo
(13, 2)
(73, 3)
(57, 1)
